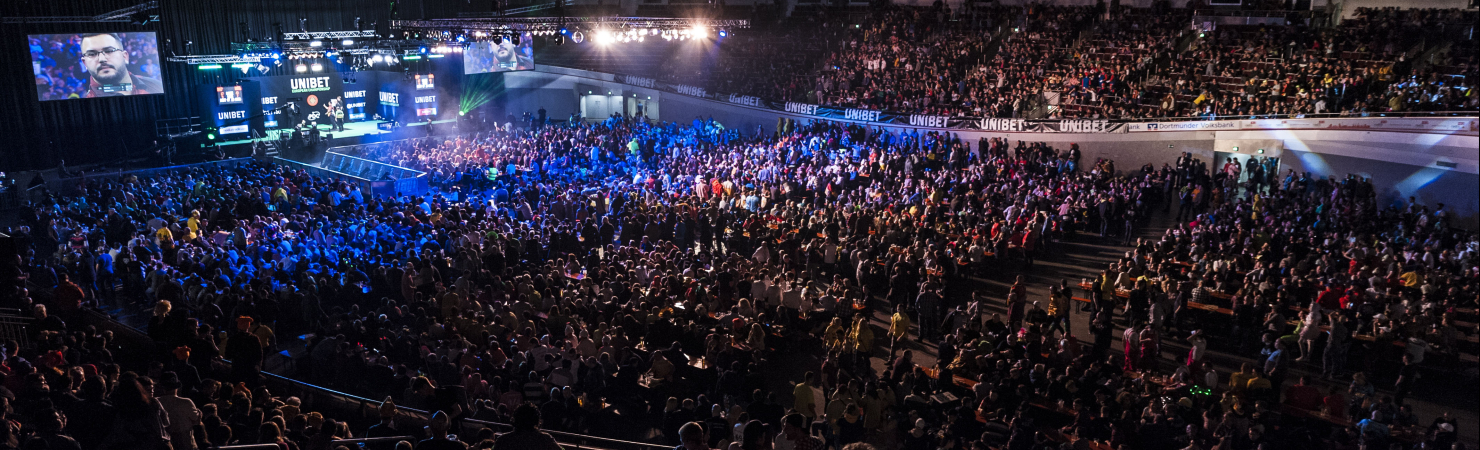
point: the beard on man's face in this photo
(106, 73)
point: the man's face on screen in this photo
(105, 58)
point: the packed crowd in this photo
(671, 283)
(1099, 62)
(1354, 68)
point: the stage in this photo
(364, 133)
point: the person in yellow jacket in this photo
(164, 238)
(194, 225)
(835, 333)
(899, 329)
(862, 338)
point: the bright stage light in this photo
(300, 68)
(377, 59)
(348, 42)
(577, 37)
(317, 67)
(699, 32)
(603, 37)
(316, 43)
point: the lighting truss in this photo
(444, 27)
(125, 12)
(212, 59)
(121, 15)
(330, 35)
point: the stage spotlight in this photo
(423, 49)
(316, 43)
(699, 32)
(603, 37)
(577, 37)
(559, 39)
(348, 42)
(377, 59)
(300, 68)
(318, 67)
(262, 68)
(563, 30)
(723, 33)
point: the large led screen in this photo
(504, 56)
(87, 65)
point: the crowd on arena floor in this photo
(1083, 62)
(643, 281)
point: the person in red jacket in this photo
(1304, 396)
(67, 298)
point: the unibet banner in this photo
(311, 93)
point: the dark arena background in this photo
(739, 224)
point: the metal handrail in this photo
(1246, 13)
(564, 437)
(331, 443)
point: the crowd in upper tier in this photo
(1098, 62)
(819, 286)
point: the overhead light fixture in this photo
(348, 42)
(316, 43)
(577, 37)
(377, 59)
(300, 68)
(318, 67)
(700, 32)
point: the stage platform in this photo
(356, 133)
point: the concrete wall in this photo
(1396, 182)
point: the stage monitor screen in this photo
(486, 56)
(229, 95)
(88, 65)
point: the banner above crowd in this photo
(1441, 125)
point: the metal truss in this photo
(212, 59)
(543, 23)
(121, 15)
(330, 35)
(256, 51)
(126, 12)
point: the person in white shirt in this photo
(183, 415)
(762, 255)
(759, 287)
